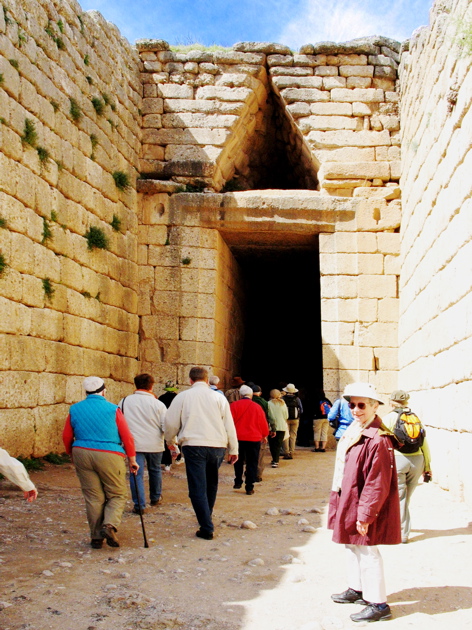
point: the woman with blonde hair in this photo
(278, 416)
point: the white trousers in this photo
(365, 572)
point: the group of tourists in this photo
(378, 462)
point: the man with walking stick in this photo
(202, 421)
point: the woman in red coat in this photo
(364, 508)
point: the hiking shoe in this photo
(349, 597)
(372, 612)
(96, 543)
(109, 533)
(157, 502)
(288, 456)
(258, 479)
(203, 534)
(249, 491)
(274, 465)
(237, 486)
(135, 510)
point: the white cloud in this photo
(342, 20)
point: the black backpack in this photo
(292, 405)
(408, 430)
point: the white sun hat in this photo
(361, 390)
(290, 389)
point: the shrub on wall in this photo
(96, 238)
(30, 135)
(75, 110)
(122, 181)
(48, 289)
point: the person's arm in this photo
(15, 472)
(233, 446)
(127, 439)
(68, 436)
(173, 422)
(264, 427)
(376, 485)
(427, 457)
(333, 412)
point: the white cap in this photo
(361, 390)
(245, 390)
(93, 384)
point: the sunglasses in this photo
(360, 405)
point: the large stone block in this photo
(388, 310)
(335, 333)
(18, 431)
(374, 286)
(356, 71)
(172, 90)
(308, 95)
(378, 335)
(326, 123)
(339, 139)
(369, 95)
(348, 170)
(339, 287)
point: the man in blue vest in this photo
(98, 439)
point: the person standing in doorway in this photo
(278, 414)
(364, 510)
(251, 428)
(232, 393)
(170, 392)
(410, 465)
(145, 416)
(202, 421)
(98, 438)
(340, 417)
(262, 402)
(213, 381)
(321, 424)
(295, 410)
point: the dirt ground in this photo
(274, 577)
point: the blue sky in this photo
(291, 22)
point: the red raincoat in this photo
(369, 492)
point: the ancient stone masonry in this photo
(435, 333)
(69, 100)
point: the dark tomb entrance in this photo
(282, 327)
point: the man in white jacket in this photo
(202, 421)
(15, 472)
(145, 415)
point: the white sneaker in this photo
(166, 468)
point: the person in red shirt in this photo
(251, 429)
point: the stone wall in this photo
(66, 311)
(435, 331)
(246, 118)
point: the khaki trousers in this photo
(102, 478)
(289, 445)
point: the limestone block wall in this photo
(189, 299)
(436, 251)
(69, 100)
(333, 108)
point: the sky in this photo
(290, 22)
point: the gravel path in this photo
(272, 577)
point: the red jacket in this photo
(249, 420)
(369, 492)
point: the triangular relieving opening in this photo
(278, 155)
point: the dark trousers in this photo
(275, 444)
(249, 455)
(202, 464)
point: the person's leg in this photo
(413, 475)
(372, 574)
(214, 461)
(403, 468)
(252, 456)
(317, 432)
(153, 461)
(196, 468)
(111, 469)
(140, 459)
(353, 570)
(274, 444)
(239, 465)
(260, 462)
(324, 434)
(293, 426)
(91, 489)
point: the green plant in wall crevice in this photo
(3, 265)
(122, 180)
(116, 223)
(96, 238)
(98, 105)
(14, 63)
(48, 289)
(30, 135)
(75, 110)
(3, 222)
(47, 232)
(43, 155)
